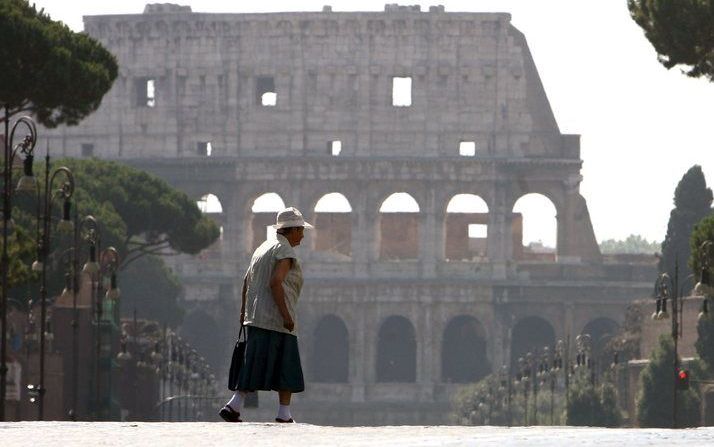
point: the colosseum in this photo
(342, 114)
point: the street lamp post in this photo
(704, 287)
(82, 229)
(525, 379)
(91, 268)
(543, 375)
(667, 289)
(107, 312)
(158, 361)
(583, 343)
(50, 194)
(506, 387)
(556, 366)
(532, 367)
(172, 358)
(27, 183)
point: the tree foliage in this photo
(487, 402)
(151, 289)
(681, 32)
(705, 341)
(656, 394)
(156, 218)
(634, 244)
(21, 251)
(138, 214)
(593, 406)
(47, 70)
(703, 231)
(692, 202)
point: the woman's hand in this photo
(289, 324)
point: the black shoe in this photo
(283, 421)
(229, 415)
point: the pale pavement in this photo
(256, 434)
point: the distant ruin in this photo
(398, 308)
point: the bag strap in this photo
(241, 333)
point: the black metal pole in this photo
(179, 382)
(164, 371)
(75, 318)
(170, 372)
(44, 247)
(98, 347)
(510, 391)
(567, 373)
(525, 401)
(675, 337)
(535, 396)
(7, 172)
(552, 397)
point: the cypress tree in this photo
(704, 231)
(654, 402)
(692, 202)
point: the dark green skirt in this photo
(272, 362)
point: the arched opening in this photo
(466, 228)
(211, 205)
(535, 228)
(463, 351)
(264, 211)
(330, 353)
(333, 224)
(399, 227)
(396, 351)
(531, 334)
(601, 330)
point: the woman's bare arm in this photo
(282, 267)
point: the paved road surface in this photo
(257, 434)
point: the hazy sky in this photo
(642, 126)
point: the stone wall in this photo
(194, 105)
(472, 78)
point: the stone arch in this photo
(333, 224)
(466, 220)
(463, 351)
(601, 330)
(264, 208)
(210, 204)
(396, 351)
(330, 354)
(535, 228)
(399, 227)
(530, 334)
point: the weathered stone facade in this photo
(394, 291)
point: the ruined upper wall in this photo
(472, 76)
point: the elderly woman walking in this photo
(271, 289)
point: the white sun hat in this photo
(290, 217)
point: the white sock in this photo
(284, 412)
(236, 401)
